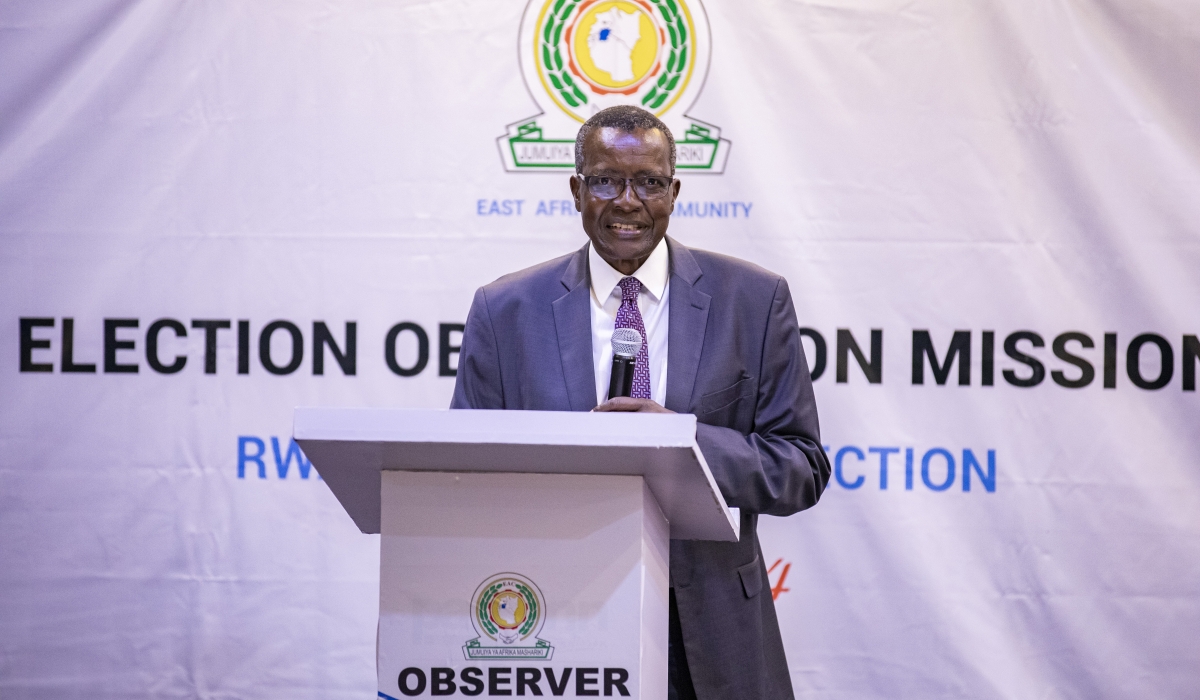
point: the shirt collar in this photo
(652, 274)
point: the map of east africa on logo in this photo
(580, 56)
(508, 611)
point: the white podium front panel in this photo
(510, 584)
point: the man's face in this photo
(625, 230)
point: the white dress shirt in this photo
(652, 303)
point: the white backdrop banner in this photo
(212, 212)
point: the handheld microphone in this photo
(626, 343)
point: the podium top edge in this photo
(402, 425)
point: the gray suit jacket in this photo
(736, 362)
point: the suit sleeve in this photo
(478, 383)
(780, 467)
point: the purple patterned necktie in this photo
(628, 316)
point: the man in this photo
(721, 342)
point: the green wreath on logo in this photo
(482, 612)
(531, 601)
(559, 75)
(676, 60)
(552, 59)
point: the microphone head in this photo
(626, 341)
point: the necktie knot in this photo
(630, 287)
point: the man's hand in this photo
(626, 404)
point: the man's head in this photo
(624, 184)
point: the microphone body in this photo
(621, 382)
(626, 344)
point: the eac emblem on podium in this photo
(508, 611)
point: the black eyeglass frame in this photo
(626, 182)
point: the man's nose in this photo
(628, 199)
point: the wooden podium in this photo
(522, 553)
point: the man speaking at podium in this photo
(721, 342)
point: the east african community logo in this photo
(580, 56)
(507, 612)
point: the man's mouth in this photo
(621, 228)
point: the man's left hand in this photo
(626, 404)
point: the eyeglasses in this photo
(646, 186)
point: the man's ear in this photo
(675, 185)
(576, 191)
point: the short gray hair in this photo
(626, 118)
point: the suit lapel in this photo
(687, 322)
(573, 324)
